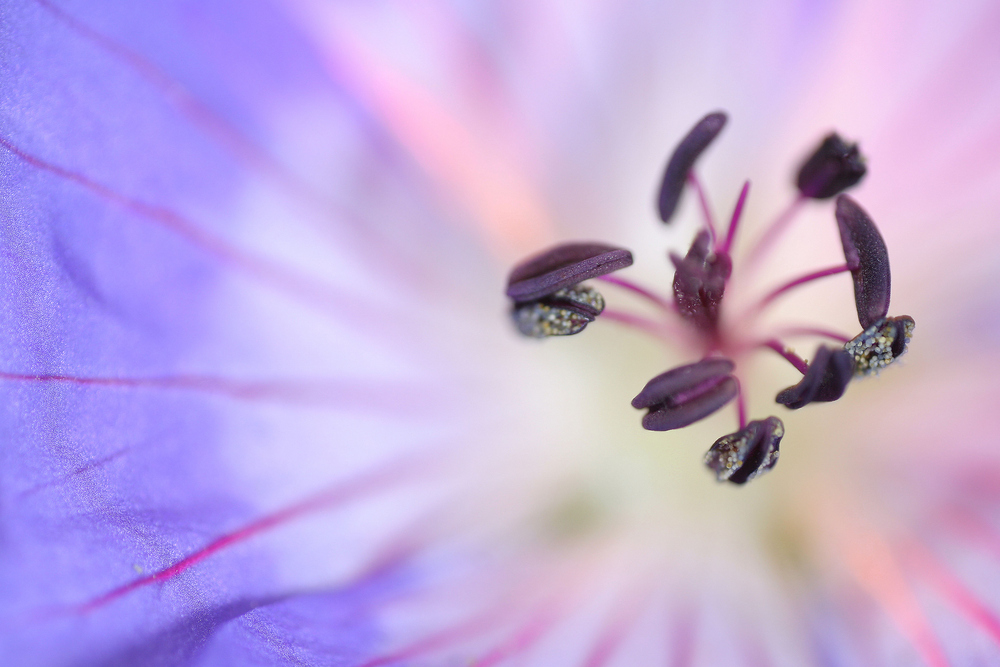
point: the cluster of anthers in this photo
(549, 300)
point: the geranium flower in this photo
(264, 403)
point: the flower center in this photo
(548, 300)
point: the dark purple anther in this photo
(825, 380)
(683, 158)
(880, 344)
(748, 453)
(868, 259)
(700, 282)
(686, 394)
(831, 169)
(564, 313)
(563, 266)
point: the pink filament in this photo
(645, 325)
(777, 228)
(705, 208)
(652, 297)
(741, 404)
(735, 220)
(788, 355)
(815, 331)
(802, 280)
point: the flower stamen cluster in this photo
(549, 300)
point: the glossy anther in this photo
(563, 266)
(748, 453)
(686, 394)
(825, 380)
(683, 159)
(564, 313)
(833, 167)
(700, 282)
(880, 344)
(868, 260)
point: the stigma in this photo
(549, 298)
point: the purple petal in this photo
(683, 159)
(748, 453)
(564, 266)
(112, 135)
(833, 167)
(825, 380)
(686, 394)
(868, 259)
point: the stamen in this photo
(880, 344)
(547, 293)
(833, 167)
(741, 404)
(563, 266)
(548, 299)
(683, 159)
(748, 453)
(792, 284)
(825, 379)
(563, 313)
(658, 330)
(815, 331)
(700, 282)
(789, 356)
(686, 394)
(706, 209)
(868, 258)
(735, 220)
(652, 297)
(774, 232)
